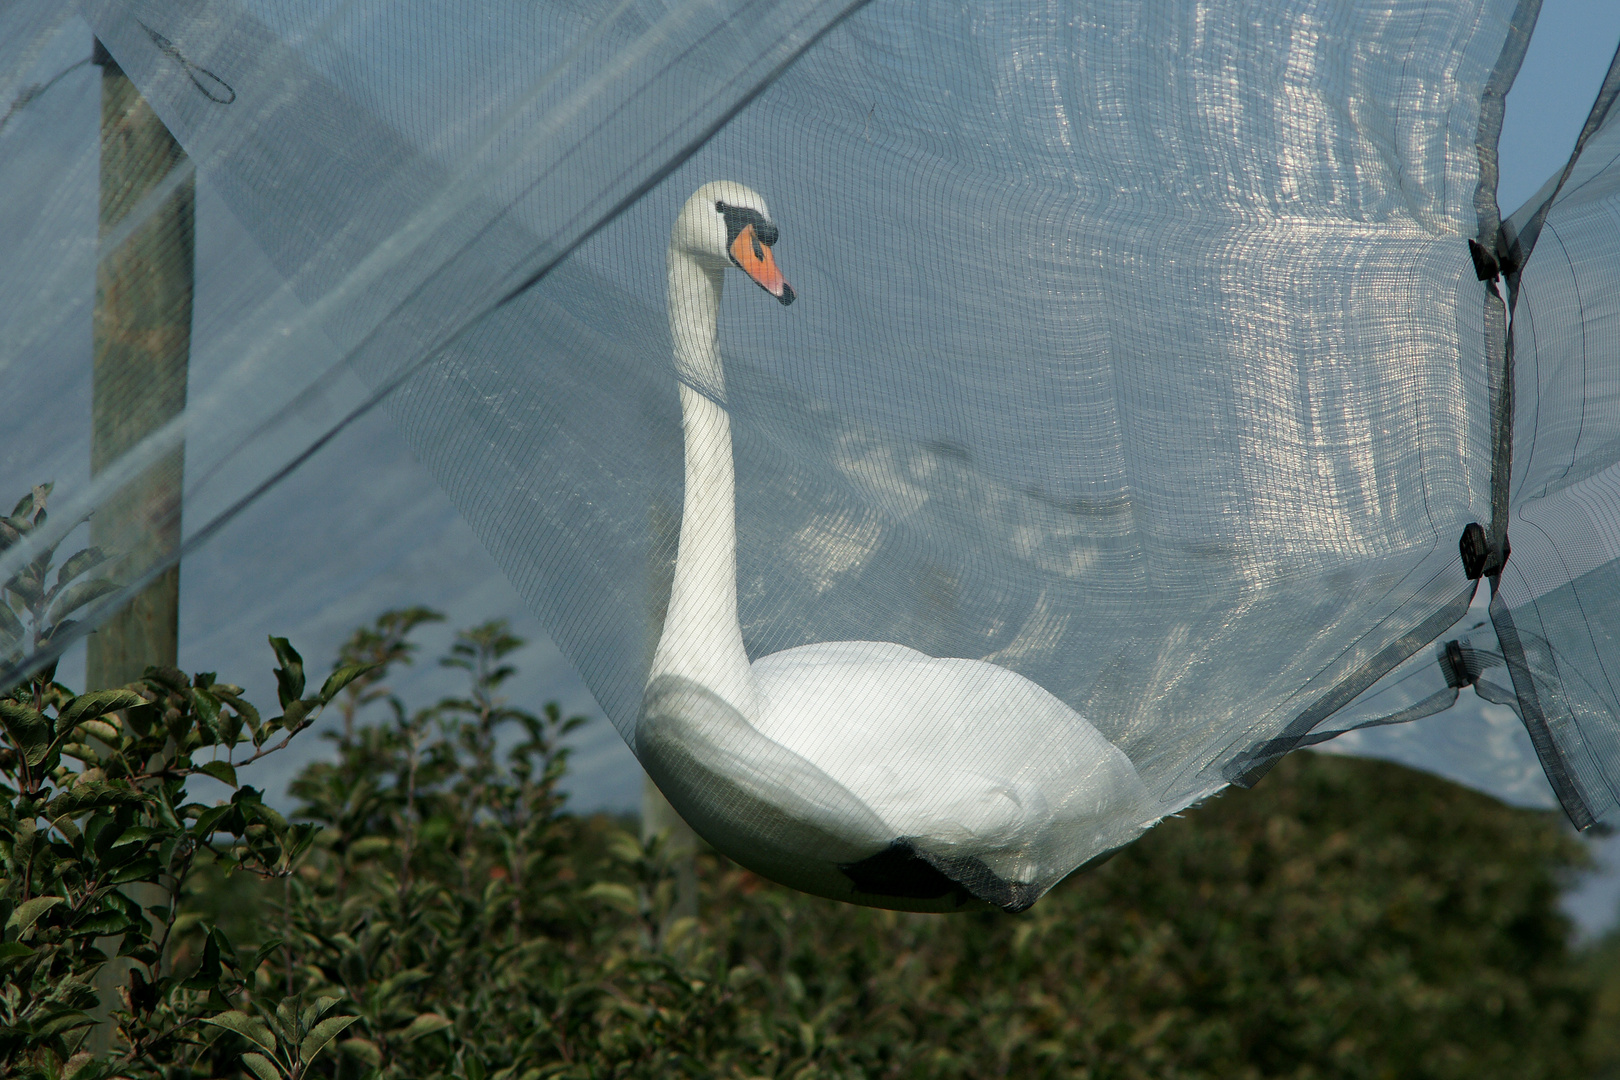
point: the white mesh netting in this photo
(1139, 388)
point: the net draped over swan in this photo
(1161, 390)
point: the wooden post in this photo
(141, 344)
(142, 341)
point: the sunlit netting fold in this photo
(1138, 357)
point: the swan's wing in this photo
(961, 757)
(761, 803)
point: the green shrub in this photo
(97, 836)
(435, 912)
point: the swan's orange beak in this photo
(758, 263)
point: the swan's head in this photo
(726, 223)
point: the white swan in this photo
(864, 771)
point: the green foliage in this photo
(97, 836)
(287, 1041)
(94, 801)
(30, 595)
(434, 912)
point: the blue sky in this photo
(1569, 54)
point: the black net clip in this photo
(1489, 265)
(1455, 666)
(1479, 559)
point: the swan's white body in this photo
(861, 770)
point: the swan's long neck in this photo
(702, 639)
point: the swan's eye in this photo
(739, 218)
